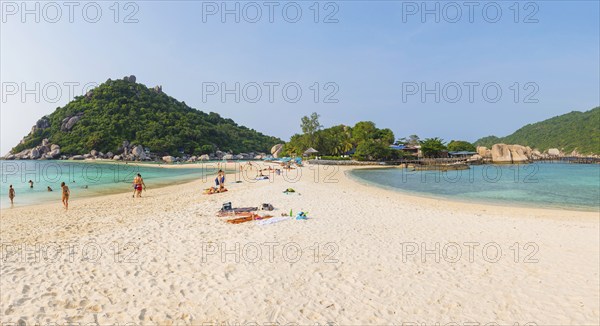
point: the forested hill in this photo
(120, 110)
(572, 131)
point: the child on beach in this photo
(11, 193)
(65, 194)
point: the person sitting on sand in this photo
(65, 195)
(220, 180)
(11, 193)
(49, 189)
(138, 183)
(30, 184)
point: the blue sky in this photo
(370, 57)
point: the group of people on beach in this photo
(65, 193)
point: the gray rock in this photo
(109, 155)
(87, 156)
(228, 157)
(258, 157)
(116, 157)
(276, 150)
(157, 89)
(239, 157)
(35, 154)
(45, 142)
(219, 155)
(69, 122)
(138, 152)
(53, 154)
(100, 155)
(54, 147)
(204, 157)
(10, 157)
(94, 152)
(168, 159)
(132, 79)
(77, 157)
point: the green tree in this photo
(432, 147)
(460, 145)
(310, 125)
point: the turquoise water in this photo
(564, 186)
(100, 178)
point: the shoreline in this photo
(367, 278)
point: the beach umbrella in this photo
(310, 151)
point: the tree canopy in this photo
(119, 110)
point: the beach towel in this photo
(236, 211)
(248, 218)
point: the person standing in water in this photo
(11, 194)
(31, 184)
(65, 194)
(138, 183)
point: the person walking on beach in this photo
(138, 183)
(65, 194)
(11, 194)
(31, 184)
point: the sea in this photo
(540, 185)
(87, 179)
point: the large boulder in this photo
(276, 150)
(518, 153)
(54, 147)
(501, 153)
(109, 155)
(138, 152)
(69, 122)
(116, 157)
(45, 142)
(35, 154)
(53, 153)
(77, 157)
(553, 152)
(168, 159)
(94, 152)
(228, 157)
(204, 157)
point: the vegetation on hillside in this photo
(121, 110)
(572, 131)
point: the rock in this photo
(575, 153)
(219, 155)
(157, 89)
(10, 157)
(484, 152)
(132, 79)
(54, 147)
(138, 152)
(45, 142)
(69, 122)
(87, 156)
(116, 157)
(228, 157)
(258, 157)
(77, 157)
(204, 157)
(168, 159)
(193, 159)
(94, 152)
(475, 157)
(536, 153)
(553, 152)
(41, 124)
(518, 153)
(100, 155)
(109, 155)
(35, 154)
(276, 150)
(501, 154)
(53, 153)
(239, 157)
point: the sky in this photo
(455, 70)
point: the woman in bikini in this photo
(11, 194)
(65, 195)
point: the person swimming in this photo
(49, 189)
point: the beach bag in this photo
(226, 206)
(267, 207)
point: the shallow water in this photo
(86, 179)
(563, 186)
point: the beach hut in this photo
(310, 151)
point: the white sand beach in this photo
(365, 256)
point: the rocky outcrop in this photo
(553, 152)
(157, 89)
(130, 79)
(276, 150)
(503, 153)
(41, 124)
(204, 157)
(77, 157)
(228, 157)
(69, 122)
